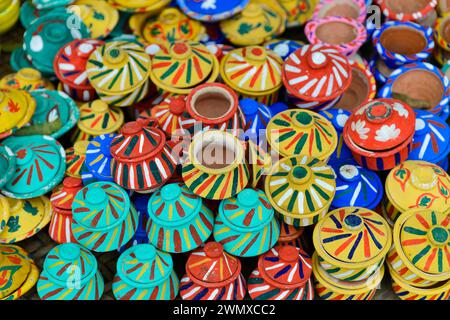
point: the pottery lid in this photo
(317, 73)
(69, 259)
(14, 268)
(137, 140)
(63, 195)
(40, 165)
(422, 237)
(337, 117)
(214, 11)
(426, 185)
(28, 79)
(210, 266)
(7, 164)
(352, 237)
(17, 109)
(285, 267)
(47, 34)
(289, 232)
(301, 132)
(356, 186)
(182, 65)
(174, 205)
(250, 210)
(283, 47)
(143, 266)
(431, 141)
(381, 124)
(252, 70)
(48, 4)
(97, 117)
(118, 67)
(4, 213)
(300, 185)
(98, 156)
(75, 158)
(71, 60)
(100, 206)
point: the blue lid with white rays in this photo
(431, 141)
(98, 157)
(211, 10)
(356, 186)
(257, 116)
(283, 48)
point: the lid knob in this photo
(424, 178)
(99, 106)
(257, 53)
(71, 182)
(29, 74)
(378, 112)
(303, 119)
(70, 251)
(349, 172)
(252, 10)
(170, 16)
(353, 222)
(180, 50)
(56, 33)
(317, 60)
(300, 174)
(213, 250)
(177, 105)
(96, 196)
(145, 252)
(84, 50)
(115, 56)
(288, 253)
(24, 156)
(438, 236)
(248, 197)
(133, 127)
(170, 192)
(249, 106)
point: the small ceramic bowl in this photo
(400, 43)
(26, 79)
(348, 35)
(351, 9)
(404, 10)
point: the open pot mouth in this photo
(407, 6)
(336, 32)
(340, 8)
(212, 103)
(403, 40)
(357, 93)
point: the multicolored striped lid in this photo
(75, 158)
(14, 268)
(207, 10)
(28, 79)
(7, 164)
(97, 117)
(40, 166)
(98, 157)
(63, 195)
(338, 118)
(144, 266)
(352, 237)
(283, 47)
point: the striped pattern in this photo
(234, 125)
(325, 293)
(414, 16)
(390, 210)
(260, 162)
(236, 290)
(350, 275)
(312, 105)
(407, 292)
(127, 99)
(98, 157)
(60, 227)
(74, 163)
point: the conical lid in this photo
(63, 195)
(98, 156)
(97, 117)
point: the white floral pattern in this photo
(360, 128)
(402, 112)
(386, 133)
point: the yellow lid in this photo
(298, 12)
(28, 79)
(137, 3)
(99, 16)
(16, 109)
(4, 213)
(97, 117)
(14, 270)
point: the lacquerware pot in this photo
(28, 79)
(379, 133)
(145, 273)
(212, 274)
(351, 9)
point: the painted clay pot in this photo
(62, 199)
(217, 11)
(246, 225)
(46, 35)
(45, 4)
(402, 10)
(431, 139)
(17, 109)
(245, 70)
(103, 217)
(172, 69)
(15, 260)
(416, 185)
(97, 118)
(62, 267)
(28, 79)
(70, 68)
(298, 11)
(300, 189)
(283, 48)
(119, 72)
(356, 186)
(420, 85)
(323, 78)
(346, 34)
(9, 14)
(215, 106)
(257, 116)
(338, 118)
(212, 274)
(7, 164)
(296, 237)
(26, 218)
(351, 9)
(98, 158)
(283, 273)
(329, 288)
(178, 220)
(400, 43)
(379, 133)
(216, 168)
(302, 132)
(380, 70)
(75, 158)
(259, 161)
(40, 166)
(150, 6)
(143, 159)
(256, 23)
(138, 279)
(352, 243)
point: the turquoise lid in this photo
(18, 60)
(47, 34)
(7, 164)
(40, 166)
(48, 4)
(68, 260)
(28, 13)
(144, 266)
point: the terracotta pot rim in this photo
(407, 16)
(325, 4)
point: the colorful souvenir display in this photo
(283, 273)
(26, 79)
(7, 165)
(216, 168)
(298, 11)
(407, 11)
(98, 157)
(151, 6)
(208, 11)
(62, 278)
(103, 217)
(324, 76)
(212, 274)
(351, 9)
(178, 220)
(300, 189)
(62, 200)
(75, 158)
(379, 133)
(426, 186)
(253, 72)
(9, 14)
(283, 48)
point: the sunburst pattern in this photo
(98, 157)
